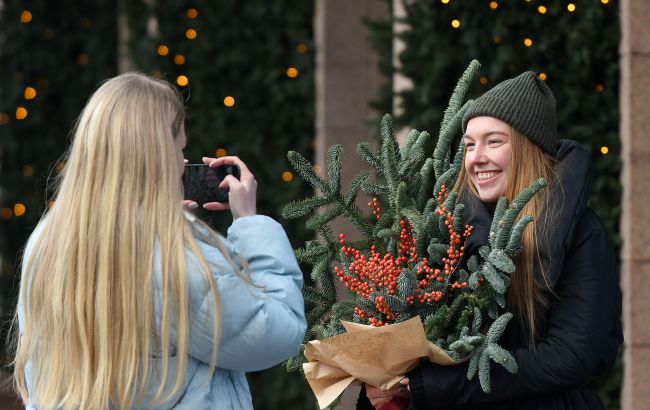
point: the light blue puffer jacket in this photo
(262, 322)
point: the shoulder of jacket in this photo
(589, 227)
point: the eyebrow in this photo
(486, 134)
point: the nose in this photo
(477, 156)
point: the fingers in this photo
(229, 182)
(245, 173)
(379, 397)
(216, 206)
(242, 191)
(187, 204)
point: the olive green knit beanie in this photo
(526, 103)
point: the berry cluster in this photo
(380, 273)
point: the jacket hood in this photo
(568, 196)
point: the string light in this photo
(455, 23)
(604, 1)
(21, 113)
(182, 80)
(220, 153)
(287, 176)
(82, 59)
(301, 48)
(600, 88)
(229, 101)
(163, 50)
(542, 9)
(571, 7)
(7, 213)
(192, 13)
(28, 170)
(494, 5)
(179, 59)
(19, 209)
(4, 118)
(444, 1)
(528, 42)
(483, 80)
(190, 33)
(25, 17)
(604, 150)
(30, 93)
(542, 76)
(292, 72)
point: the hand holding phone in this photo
(201, 183)
(243, 191)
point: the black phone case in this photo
(201, 182)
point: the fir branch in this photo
(367, 153)
(502, 205)
(447, 179)
(441, 154)
(501, 261)
(458, 224)
(426, 182)
(507, 221)
(411, 138)
(478, 319)
(494, 279)
(411, 163)
(503, 357)
(498, 327)
(514, 244)
(389, 152)
(297, 209)
(360, 180)
(305, 169)
(318, 220)
(334, 167)
(458, 95)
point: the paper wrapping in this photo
(379, 356)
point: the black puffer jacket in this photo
(580, 332)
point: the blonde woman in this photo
(126, 300)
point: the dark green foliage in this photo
(242, 49)
(61, 53)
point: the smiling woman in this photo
(564, 291)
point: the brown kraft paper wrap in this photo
(379, 356)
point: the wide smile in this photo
(487, 177)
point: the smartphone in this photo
(201, 182)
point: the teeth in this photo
(487, 175)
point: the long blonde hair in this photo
(89, 329)
(528, 163)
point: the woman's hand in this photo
(379, 397)
(242, 191)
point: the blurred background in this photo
(264, 77)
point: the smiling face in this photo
(488, 155)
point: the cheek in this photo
(468, 162)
